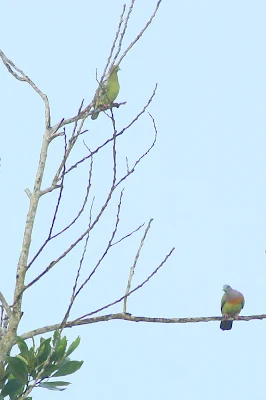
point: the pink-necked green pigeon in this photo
(231, 304)
(108, 93)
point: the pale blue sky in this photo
(204, 185)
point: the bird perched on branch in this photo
(231, 304)
(108, 92)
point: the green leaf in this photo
(68, 368)
(24, 351)
(22, 359)
(4, 375)
(32, 359)
(18, 369)
(56, 337)
(11, 387)
(33, 373)
(48, 370)
(53, 385)
(43, 351)
(73, 346)
(64, 361)
(42, 340)
(60, 350)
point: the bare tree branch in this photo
(6, 342)
(72, 141)
(124, 30)
(64, 166)
(60, 192)
(128, 235)
(11, 67)
(5, 305)
(112, 49)
(109, 196)
(117, 135)
(73, 295)
(54, 216)
(50, 236)
(132, 269)
(132, 291)
(107, 248)
(141, 32)
(132, 318)
(83, 204)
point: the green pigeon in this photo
(231, 304)
(108, 92)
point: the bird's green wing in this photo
(109, 91)
(223, 302)
(231, 304)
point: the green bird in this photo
(108, 92)
(231, 304)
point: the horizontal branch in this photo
(129, 317)
(132, 318)
(85, 113)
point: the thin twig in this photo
(76, 282)
(53, 132)
(128, 235)
(109, 245)
(132, 269)
(117, 135)
(113, 45)
(73, 295)
(11, 67)
(124, 30)
(105, 76)
(71, 143)
(49, 189)
(132, 291)
(109, 196)
(54, 216)
(50, 236)
(83, 205)
(60, 192)
(141, 32)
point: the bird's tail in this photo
(226, 325)
(94, 115)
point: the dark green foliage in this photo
(38, 364)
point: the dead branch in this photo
(5, 305)
(15, 71)
(132, 318)
(111, 50)
(141, 32)
(132, 269)
(109, 196)
(83, 204)
(109, 245)
(124, 30)
(54, 216)
(117, 135)
(128, 235)
(132, 291)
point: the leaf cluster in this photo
(36, 366)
